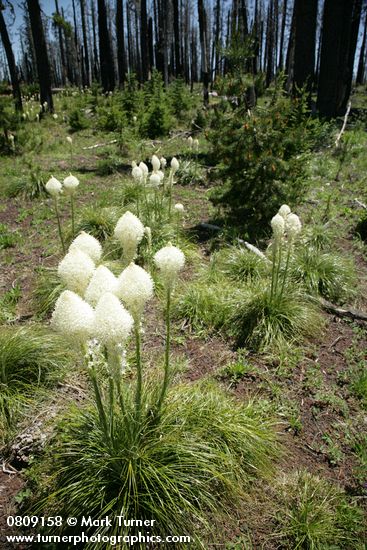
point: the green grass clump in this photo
(262, 322)
(8, 304)
(327, 274)
(316, 515)
(206, 306)
(99, 222)
(239, 264)
(48, 289)
(29, 358)
(8, 238)
(198, 459)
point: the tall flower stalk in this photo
(54, 188)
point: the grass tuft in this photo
(316, 515)
(261, 322)
(198, 460)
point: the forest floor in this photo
(315, 391)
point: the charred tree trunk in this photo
(305, 44)
(362, 55)
(177, 39)
(120, 35)
(11, 61)
(105, 49)
(42, 60)
(339, 41)
(203, 30)
(144, 41)
(85, 45)
(96, 74)
(282, 33)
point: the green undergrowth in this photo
(200, 459)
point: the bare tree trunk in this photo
(96, 66)
(120, 35)
(339, 40)
(177, 40)
(11, 61)
(362, 55)
(282, 33)
(203, 30)
(144, 40)
(305, 44)
(85, 43)
(105, 49)
(42, 60)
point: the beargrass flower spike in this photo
(70, 185)
(284, 210)
(76, 270)
(87, 244)
(129, 231)
(278, 226)
(293, 225)
(113, 324)
(54, 188)
(169, 260)
(135, 287)
(73, 317)
(102, 281)
(156, 163)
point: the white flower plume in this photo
(76, 270)
(73, 317)
(102, 281)
(135, 287)
(113, 323)
(169, 260)
(129, 231)
(87, 244)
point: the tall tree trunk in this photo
(305, 44)
(96, 72)
(269, 50)
(339, 40)
(61, 46)
(42, 60)
(105, 49)
(177, 39)
(282, 33)
(203, 30)
(144, 40)
(11, 61)
(85, 44)
(362, 55)
(120, 35)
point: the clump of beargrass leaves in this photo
(326, 274)
(47, 290)
(99, 222)
(29, 358)
(315, 514)
(144, 448)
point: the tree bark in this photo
(305, 44)
(42, 60)
(362, 55)
(282, 33)
(105, 49)
(339, 40)
(85, 44)
(11, 61)
(120, 35)
(204, 51)
(144, 40)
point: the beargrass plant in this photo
(30, 358)
(276, 311)
(314, 514)
(143, 448)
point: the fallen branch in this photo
(337, 141)
(100, 145)
(342, 312)
(361, 204)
